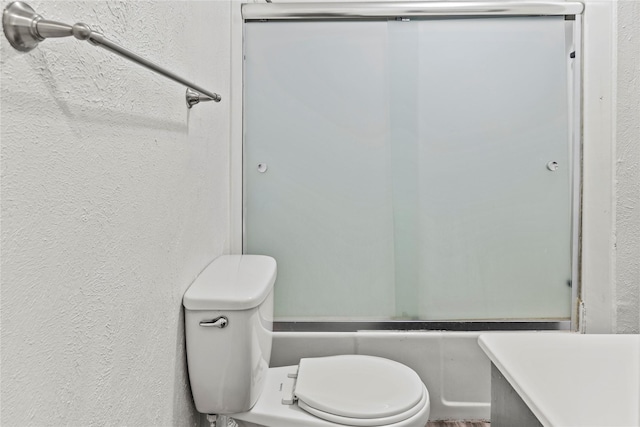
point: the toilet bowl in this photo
(228, 319)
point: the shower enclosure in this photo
(413, 171)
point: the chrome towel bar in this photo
(24, 29)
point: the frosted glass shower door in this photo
(495, 221)
(404, 170)
(317, 115)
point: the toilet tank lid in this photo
(232, 282)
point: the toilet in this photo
(228, 327)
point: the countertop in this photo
(570, 379)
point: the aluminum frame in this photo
(421, 325)
(338, 11)
(575, 100)
(334, 11)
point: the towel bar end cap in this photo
(18, 21)
(193, 97)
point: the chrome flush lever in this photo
(218, 322)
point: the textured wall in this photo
(114, 197)
(628, 169)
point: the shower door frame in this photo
(575, 140)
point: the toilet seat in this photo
(357, 390)
(367, 422)
(276, 406)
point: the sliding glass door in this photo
(410, 169)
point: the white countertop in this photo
(569, 379)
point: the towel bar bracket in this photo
(24, 29)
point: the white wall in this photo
(611, 154)
(628, 169)
(114, 197)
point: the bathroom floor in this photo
(458, 424)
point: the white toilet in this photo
(228, 324)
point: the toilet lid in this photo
(358, 387)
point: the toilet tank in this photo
(228, 328)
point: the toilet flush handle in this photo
(218, 322)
